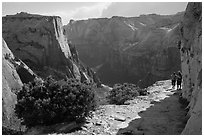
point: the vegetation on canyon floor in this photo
(46, 102)
(123, 92)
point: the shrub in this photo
(142, 92)
(123, 92)
(8, 131)
(49, 102)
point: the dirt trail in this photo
(158, 113)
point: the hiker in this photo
(173, 80)
(179, 80)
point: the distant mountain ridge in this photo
(128, 48)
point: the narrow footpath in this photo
(159, 113)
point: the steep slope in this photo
(128, 49)
(14, 74)
(191, 56)
(39, 42)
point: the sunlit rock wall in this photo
(191, 58)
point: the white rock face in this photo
(11, 82)
(191, 57)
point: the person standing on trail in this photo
(179, 80)
(173, 80)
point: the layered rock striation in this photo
(40, 43)
(128, 49)
(191, 62)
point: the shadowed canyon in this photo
(138, 50)
(97, 54)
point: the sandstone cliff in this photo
(14, 74)
(191, 57)
(39, 42)
(128, 49)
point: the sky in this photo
(85, 10)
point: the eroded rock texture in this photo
(191, 57)
(39, 42)
(128, 49)
(14, 74)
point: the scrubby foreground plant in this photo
(49, 102)
(123, 92)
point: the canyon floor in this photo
(159, 113)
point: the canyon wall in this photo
(14, 74)
(35, 46)
(139, 50)
(40, 43)
(191, 58)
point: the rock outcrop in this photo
(39, 42)
(14, 74)
(128, 49)
(191, 58)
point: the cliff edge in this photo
(40, 43)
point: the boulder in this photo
(119, 118)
